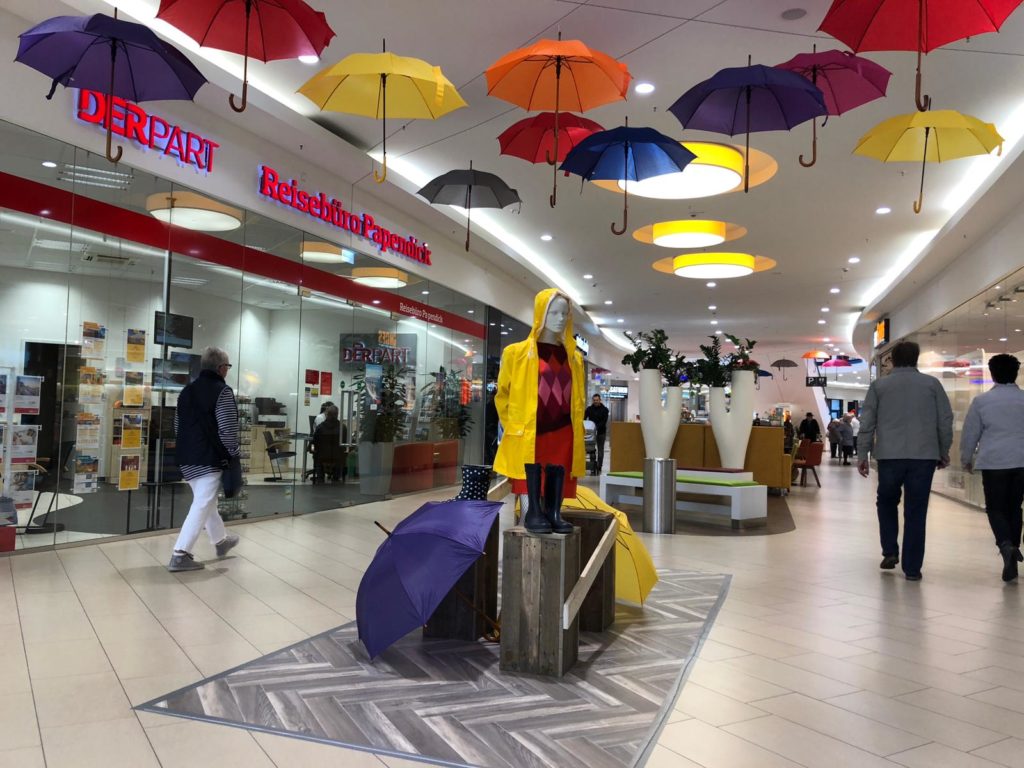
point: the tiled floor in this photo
(817, 659)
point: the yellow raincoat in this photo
(516, 398)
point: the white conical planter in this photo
(658, 422)
(732, 428)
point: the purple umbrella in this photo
(749, 99)
(847, 82)
(118, 58)
(417, 566)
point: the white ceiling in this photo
(809, 220)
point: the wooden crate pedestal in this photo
(598, 610)
(454, 619)
(539, 572)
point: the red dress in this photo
(554, 415)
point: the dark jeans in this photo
(835, 449)
(913, 479)
(1004, 493)
(599, 437)
(847, 453)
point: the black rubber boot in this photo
(534, 520)
(1009, 553)
(554, 482)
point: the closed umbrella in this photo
(469, 189)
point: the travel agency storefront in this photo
(115, 277)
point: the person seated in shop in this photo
(323, 414)
(328, 455)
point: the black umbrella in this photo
(784, 362)
(469, 189)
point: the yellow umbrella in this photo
(931, 137)
(383, 85)
(635, 576)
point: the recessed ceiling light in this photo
(492, 325)
(622, 320)
(588, 276)
(376, 301)
(826, 339)
(689, 233)
(825, 309)
(380, 277)
(49, 164)
(471, 311)
(193, 211)
(427, 293)
(504, 333)
(793, 14)
(714, 322)
(326, 253)
(712, 284)
(882, 210)
(854, 259)
(1002, 338)
(1016, 330)
(607, 302)
(309, 59)
(821, 322)
(643, 88)
(718, 332)
(712, 307)
(833, 290)
(546, 238)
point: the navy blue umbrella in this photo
(627, 154)
(747, 100)
(115, 57)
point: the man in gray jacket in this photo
(906, 423)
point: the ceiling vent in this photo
(108, 260)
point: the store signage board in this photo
(146, 130)
(331, 211)
(383, 347)
(582, 344)
(881, 335)
(816, 381)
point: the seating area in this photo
(808, 456)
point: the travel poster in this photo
(86, 464)
(305, 399)
(21, 486)
(94, 340)
(88, 430)
(131, 430)
(23, 443)
(3, 392)
(128, 477)
(134, 391)
(90, 385)
(312, 376)
(85, 483)
(136, 347)
(326, 382)
(27, 392)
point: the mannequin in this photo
(540, 399)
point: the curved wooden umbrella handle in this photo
(814, 147)
(625, 215)
(924, 161)
(113, 157)
(382, 177)
(110, 108)
(240, 106)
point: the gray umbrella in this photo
(469, 189)
(784, 362)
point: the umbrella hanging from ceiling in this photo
(913, 25)
(469, 189)
(626, 154)
(535, 140)
(383, 85)
(747, 100)
(846, 81)
(557, 75)
(782, 363)
(108, 55)
(267, 30)
(931, 137)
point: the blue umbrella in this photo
(747, 100)
(417, 566)
(628, 154)
(105, 54)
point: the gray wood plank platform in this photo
(446, 702)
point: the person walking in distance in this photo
(809, 428)
(907, 425)
(993, 441)
(206, 430)
(597, 412)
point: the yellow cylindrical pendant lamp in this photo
(713, 266)
(689, 233)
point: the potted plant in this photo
(732, 425)
(382, 415)
(657, 365)
(450, 419)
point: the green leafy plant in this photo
(450, 415)
(382, 425)
(711, 370)
(652, 353)
(677, 371)
(740, 360)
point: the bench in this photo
(743, 501)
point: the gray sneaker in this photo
(226, 544)
(183, 562)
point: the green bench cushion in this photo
(695, 480)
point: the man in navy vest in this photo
(206, 427)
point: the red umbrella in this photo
(533, 139)
(913, 25)
(267, 30)
(846, 81)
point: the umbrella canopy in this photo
(782, 363)
(111, 56)
(532, 78)
(635, 575)
(267, 30)
(533, 139)
(931, 137)
(815, 354)
(837, 362)
(417, 565)
(748, 100)
(626, 154)
(383, 85)
(913, 25)
(469, 189)
(846, 81)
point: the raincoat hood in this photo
(541, 304)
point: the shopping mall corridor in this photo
(817, 658)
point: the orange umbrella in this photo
(531, 78)
(816, 354)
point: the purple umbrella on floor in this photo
(417, 566)
(119, 58)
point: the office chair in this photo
(275, 455)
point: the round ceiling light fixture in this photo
(309, 58)
(643, 88)
(326, 253)
(380, 277)
(689, 233)
(707, 266)
(193, 211)
(717, 168)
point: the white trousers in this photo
(202, 514)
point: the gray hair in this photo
(213, 358)
(331, 412)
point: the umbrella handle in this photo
(625, 217)
(814, 147)
(924, 161)
(245, 66)
(113, 157)
(381, 178)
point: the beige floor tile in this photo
(858, 676)
(148, 657)
(969, 710)
(196, 744)
(66, 657)
(662, 757)
(321, 621)
(803, 745)
(746, 641)
(27, 757)
(64, 603)
(711, 650)
(130, 627)
(201, 628)
(80, 699)
(1006, 698)
(268, 630)
(729, 682)
(715, 748)
(792, 678)
(288, 752)
(143, 689)
(930, 677)
(1009, 752)
(18, 715)
(90, 746)
(219, 657)
(935, 755)
(713, 708)
(55, 627)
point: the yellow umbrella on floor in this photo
(383, 85)
(931, 137)
(635, 576)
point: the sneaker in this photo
(183, 562)
(226, 544)
(1009, 553)
(889, 562)
(913, 577)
